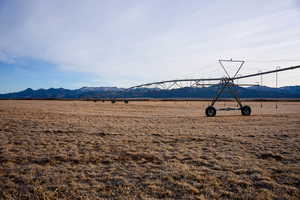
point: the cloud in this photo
(6, 58)
(147, 40)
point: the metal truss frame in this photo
(203, 82)
(226, 82)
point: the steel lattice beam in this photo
(202, 82)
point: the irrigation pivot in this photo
(226, 82)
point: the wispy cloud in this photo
(127, 42)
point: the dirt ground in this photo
(148, 150)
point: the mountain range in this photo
(187, 92)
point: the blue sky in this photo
(74, 43)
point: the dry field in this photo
(148, 150)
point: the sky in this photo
(75, 43)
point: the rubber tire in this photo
(210, 111)
(246, 110)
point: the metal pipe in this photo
(268, 72)
(218, 79)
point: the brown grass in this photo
(147, 150)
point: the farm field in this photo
(148, 150)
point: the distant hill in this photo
(114, 92)
(99, 89)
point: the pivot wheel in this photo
(210, 111)
(246, 110)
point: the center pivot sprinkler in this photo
(228, 83)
